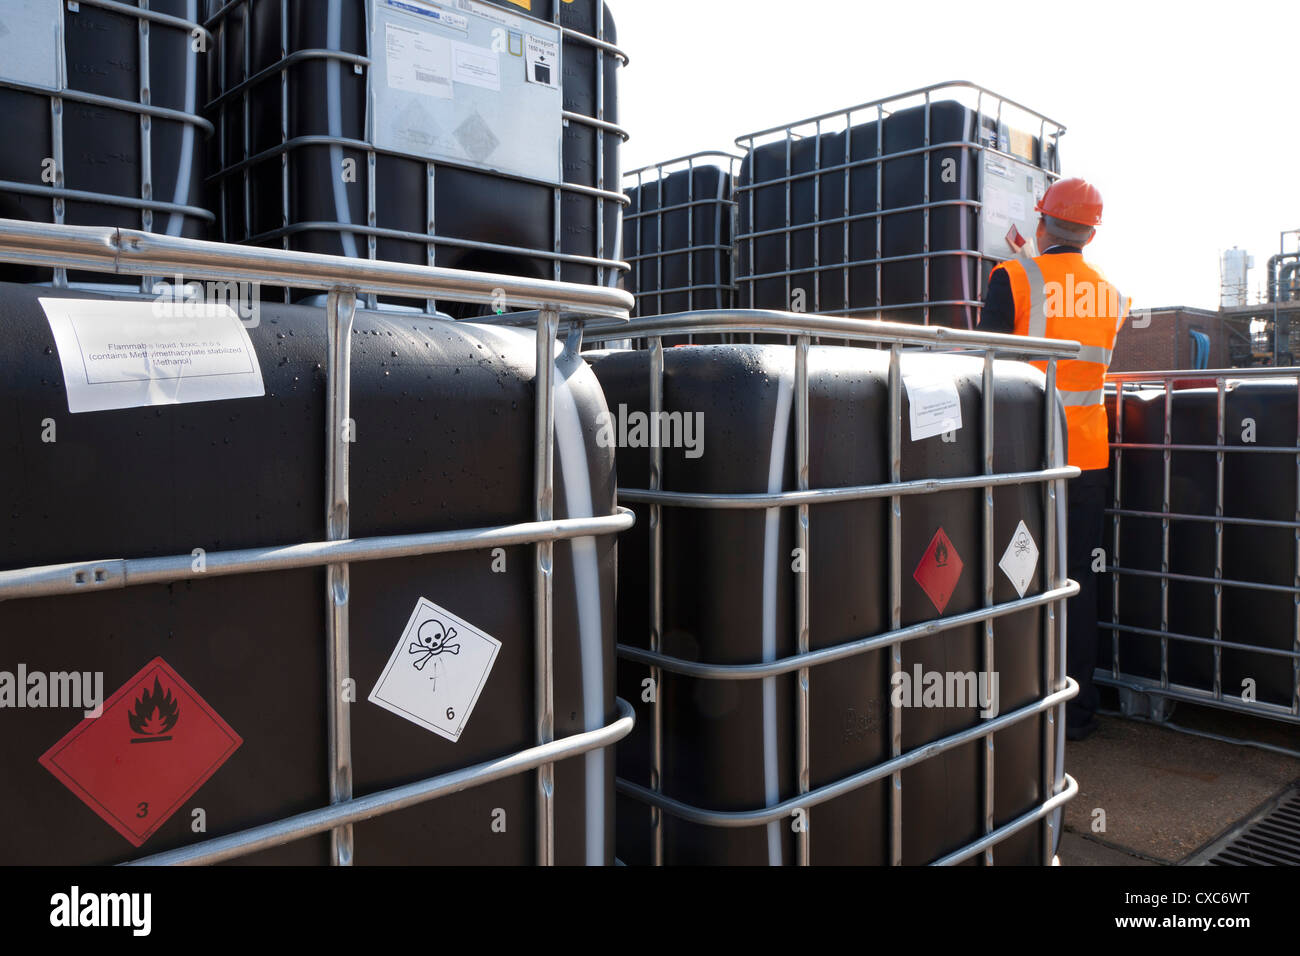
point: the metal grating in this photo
(1272, 841)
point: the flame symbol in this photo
(154, 714)
(941, 554)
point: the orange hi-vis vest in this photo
(1059, 296)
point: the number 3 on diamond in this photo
(143, 809)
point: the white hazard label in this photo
(934, 405)
(437, 671)
(1020, 560)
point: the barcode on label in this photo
(424, 77)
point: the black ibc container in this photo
(1257, 486)
(116, 162)
(816, 264)
(444, 425)
(278, 180)
(677, 237)
(729, 598)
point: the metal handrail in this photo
(689, 159)
(736, 819)
(117, 573)
(919, 91)
(1184, 374)
(132, 252)
(360, 809)
(770, 321)
(136, 253)
(701, 670)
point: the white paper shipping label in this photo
(542, 57)
(1020, 560)
(934, 405)
(132, 354)
(437, 671)
(418, 61)
(476, 65)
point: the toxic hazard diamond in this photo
(939, 570)
(154, 745)
(437, 670)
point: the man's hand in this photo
(1015, 240)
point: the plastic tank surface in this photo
(728, 597)
(488, 159)
(101, 104)
(1256, 487)
(444, 418)
(678, 236)
(898, 215)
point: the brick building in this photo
(1167, 341)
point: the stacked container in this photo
(475, 135)
(101, 103)
(893, 209)
(677, 234)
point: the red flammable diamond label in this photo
(939, 570)
(156, 742)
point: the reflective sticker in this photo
(437, 670)
(1020, 560)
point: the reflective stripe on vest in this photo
(1094, 353)
(1037, 296)
(1093, 397)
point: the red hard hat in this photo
(1074, 200)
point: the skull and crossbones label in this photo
(437, 670)
(1020, 560)
(431, 641)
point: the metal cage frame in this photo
(1049, 129)
(236, 96)
(133, 253)
(1145, 694)
(722, 296)
(1057, 786)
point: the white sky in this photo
(1183, 114)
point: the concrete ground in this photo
(1149, 795)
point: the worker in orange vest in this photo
(1058, 295)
